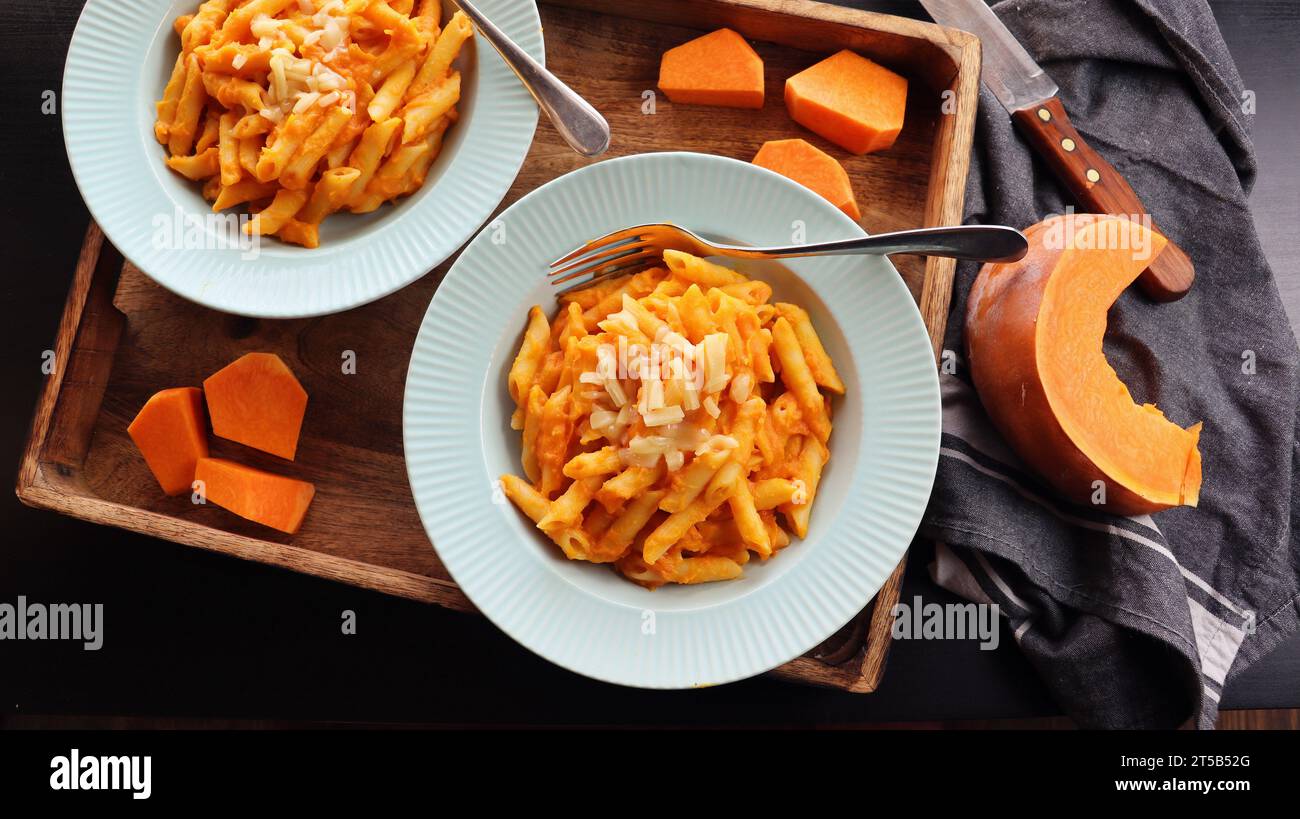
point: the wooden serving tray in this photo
(122, 337)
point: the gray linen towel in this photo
(1135, 621)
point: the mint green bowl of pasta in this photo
(884, 446)
(118, 63)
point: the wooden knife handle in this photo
(1099, 188)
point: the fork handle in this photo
(979, 243)
(581, 125)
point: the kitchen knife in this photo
(1029, 95)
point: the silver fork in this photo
(578, 122)
(636, 248)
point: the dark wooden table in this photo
(192, 635)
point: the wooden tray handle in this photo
(1099, 188)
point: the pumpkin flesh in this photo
(256, 401)
(719, 69)
(1035, 330)
(813, 168)
(263, 497)
(172, 435)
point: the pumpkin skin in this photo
(1033, 340)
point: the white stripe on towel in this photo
(1216, 641)
(1095, 526)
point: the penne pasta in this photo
(245, 190)
(420, 114)
(624, 528)
(703, 273)
(391, 93)
(532, 426)
(819, 363)
(293, 89)
(437, 65)
(199, 166)
(244, 60)
(629, 483)
(391, 178)
(304, 161)
(208, 136)
(189, 107)
(421, 166)
(697, 317)
(233, 92)
(602, 462)
(535, 346)
(237, 25)
(674, 528)
(798, 378)
(752, 531)
(566, 510)
(531, 502)
(426, 19)
(751, 292)
(704, 569)
(328, 194)
(759, 346)
(282, 208)
(652, 412)
(251, 125)
(228, 150)
(369, 151)
(553, 440)
(808, 471)
(691, 481)
(772, 492)
(166, 107)
(199, 29)
(299, 233)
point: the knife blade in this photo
(1030, 97)
(1009, 72)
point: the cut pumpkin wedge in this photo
(813, 168)
(171, 434)
(1034, 331)
(263, 497)
(719, 68)
(849, 100)
(256, 401)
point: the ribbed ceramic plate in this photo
(585, 617)
(119, 60)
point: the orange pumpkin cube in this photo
(813, 168)
(257, 402)
(849, 100)
(262, 497)
(717, 69)
(171, 434)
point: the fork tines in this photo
(618, 253)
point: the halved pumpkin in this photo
(1034, 331)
